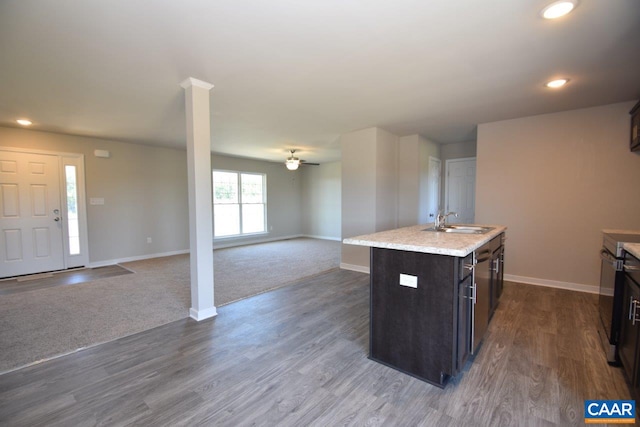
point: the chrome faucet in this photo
(441, 220)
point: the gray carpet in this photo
(40, 324)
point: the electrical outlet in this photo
(149, 240)
(409, 280)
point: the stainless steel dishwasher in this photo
(482, 295)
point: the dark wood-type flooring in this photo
(59, 278)
(297, 356)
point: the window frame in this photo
(240, 203)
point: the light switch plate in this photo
(96, 201)
(409, 280)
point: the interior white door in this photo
(435, 171)
(461, 190)
(31, 229)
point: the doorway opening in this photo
(460, 189)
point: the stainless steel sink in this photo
(461, 229)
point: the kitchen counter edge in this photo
(415, 239)
(633, 249)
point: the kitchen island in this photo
(432, 296)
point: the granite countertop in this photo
(414, 239)
(633, 249)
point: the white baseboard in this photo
(353, 267)
(553, 284)
(202, 314)
(135, 258)
(229, 244)
(249, 241)
(312, 236)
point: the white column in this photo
(200, 203)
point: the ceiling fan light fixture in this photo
(292, 164)
(24, 122)
(558, 9)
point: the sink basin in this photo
(461, 229)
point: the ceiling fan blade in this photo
(302, 162)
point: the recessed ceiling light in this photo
(23, 122)
(554, 84)
(558, 9)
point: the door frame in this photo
(446, 177)
(77, 160)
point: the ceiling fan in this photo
(292, 163)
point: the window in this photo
(72, 210)
(239, 203)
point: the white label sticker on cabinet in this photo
(409, 280)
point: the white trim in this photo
(203, 314)
(186, 251)
(311, 236)
(248, 241)
(190, 81)
(591, 289)
(353, 267)
(135, 258)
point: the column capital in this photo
(190, 81)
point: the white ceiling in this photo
(292, 73)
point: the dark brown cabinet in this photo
(629, 332)
(465, 311)
(414, 329)
(482, 294)
(497, 271)
(635, 128)
(429, 312)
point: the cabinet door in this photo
(500, 279)
(464, 321)
(482, 305)
(412, 327)
(497, 277)
(629, 330)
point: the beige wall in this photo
(556, 180)
(321, 200)
(144, 188)
(413, 178)
(427, 149)
(386, 183)
(358, 191)
(369, 188)
(145, 192)
(459, 150)
(409, 166)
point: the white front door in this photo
(461, 190)
(31, 234)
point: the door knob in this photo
(56, 219)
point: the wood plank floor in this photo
(297, 356)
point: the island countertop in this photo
(633, 249)
(415, 239)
